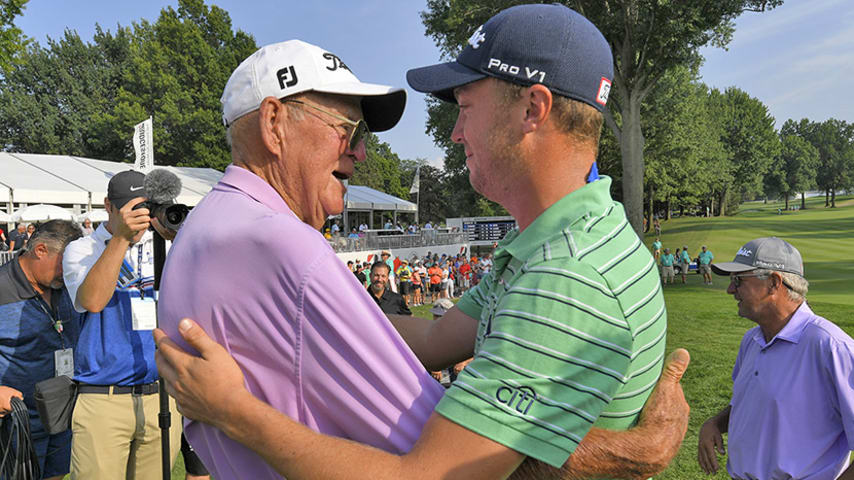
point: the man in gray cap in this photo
(792, 409)
(568, 327)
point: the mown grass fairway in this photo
(703, 318)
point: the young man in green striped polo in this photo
(567, 330)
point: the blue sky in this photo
(796, 59)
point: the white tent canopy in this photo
(65, 179)
(41, 213)
(29, 178)
(365, 198)
(95, 216)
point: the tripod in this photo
(164, 417)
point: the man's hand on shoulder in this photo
(6, 394)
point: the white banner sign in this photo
(416, 183)
(143, 144)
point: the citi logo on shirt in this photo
(744, 252)
(518, 398)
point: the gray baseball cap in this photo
(770, 253)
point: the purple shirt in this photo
(308, 337)
(792, 402)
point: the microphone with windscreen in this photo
(162, 187)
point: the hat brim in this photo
(726, 268)
(382, 106)
(438, 311)
(441, 79)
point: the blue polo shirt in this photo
(29, 337)
(706, 257)
(109, 351)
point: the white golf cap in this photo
(288, 68)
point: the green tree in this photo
(796, 167)
(750, 143)
(12, 40)
(682, 144)
(648, 39)
(834, 140)
(55, 99)
(177, 69)
(382, 170)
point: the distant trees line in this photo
(699, 147)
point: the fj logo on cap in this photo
(287, 77)
(604, 90)
(477, 37)
(743, 252)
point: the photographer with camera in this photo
(109, 275)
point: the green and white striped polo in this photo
(572, 330)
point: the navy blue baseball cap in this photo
(528, 44)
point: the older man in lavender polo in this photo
(792, 410)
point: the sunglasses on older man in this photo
(359, 128)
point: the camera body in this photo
(171, 215)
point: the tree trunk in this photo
(668, 216)
(712, 206)
(651, 208)
(803, 200)
(786, 196)
(826, 197)
(832, 198)
(631, 148)
(722, 202)
(682, 210)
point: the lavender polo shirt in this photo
(310, 340)
(792, 402)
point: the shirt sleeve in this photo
(473, 299)
(555, 352)
(77, 260)
(842, 380)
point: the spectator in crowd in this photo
(351, 266)
(447, 280)
(109, 276)
(31, 228)
(465, 274)
(428, 225)
(417, 284)
(385, 256)
(327, 234)
(363, 227)
(388, 301)
(413, 229)
(656, 249)
(667, 261)
(38, 333)
(298, 451)
(656, 224)
(87, 227)
(792, 409)
(353, 234)
(404, 276)
(360, 274)
(435, 274)
(705, 265)
(3, 241)
(685, 260)
(388, 225)
(336, 229)
(18, 238)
